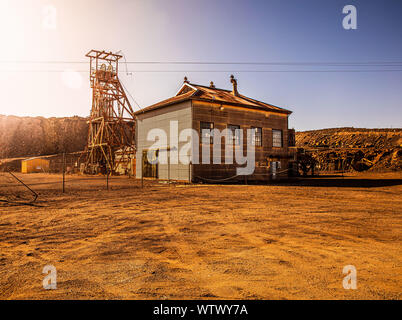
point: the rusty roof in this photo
(191, 91)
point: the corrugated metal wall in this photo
(161, 119)
(34, 165)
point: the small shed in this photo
(33, 165)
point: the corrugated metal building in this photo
(35, 165)
(198, 107)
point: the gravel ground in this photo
(284, 241)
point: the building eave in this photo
(167, 104)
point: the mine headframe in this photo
(112, 120)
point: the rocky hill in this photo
(353, 148)
(35, 136)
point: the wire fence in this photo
(270, 175)
(61, 173)
(55, 173)
(26, 188)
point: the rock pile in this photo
(29, 136)
(353, 148)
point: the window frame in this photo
(255, 135)
(273, 138)
(235, 138)
(211, 128)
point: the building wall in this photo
(246, 118)
(189, 114)
(160, 119)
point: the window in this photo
(277, 138)
(207, 133)
(235, 129)
(257, 136)
(291, 138)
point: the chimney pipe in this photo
(211, 84)
(234, 82)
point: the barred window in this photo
(277, 138)
(207, 133)
(257, 136)
(235, 129)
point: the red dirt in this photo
(204, 241)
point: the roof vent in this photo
(186, 80)
(234, 82)
(211, 84)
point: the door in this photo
(150, 166)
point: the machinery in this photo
(112, 119)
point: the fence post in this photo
(189, 172)
(169, 168)
(64, 171)
(142, 171)
(107, 178)
(342, 168)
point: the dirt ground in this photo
(283, 241)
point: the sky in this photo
(44, 71)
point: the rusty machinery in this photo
(112, 119)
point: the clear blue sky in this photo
(221, 31)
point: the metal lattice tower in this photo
(112, 119)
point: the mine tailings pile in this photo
(353, 149)
(38, 136)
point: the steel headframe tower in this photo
(112, 119)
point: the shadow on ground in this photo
(328, 181)
(337, 181)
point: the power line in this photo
(272, 63)
(312, 63)
(135, 101)
(215, 71)
(128, 74)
